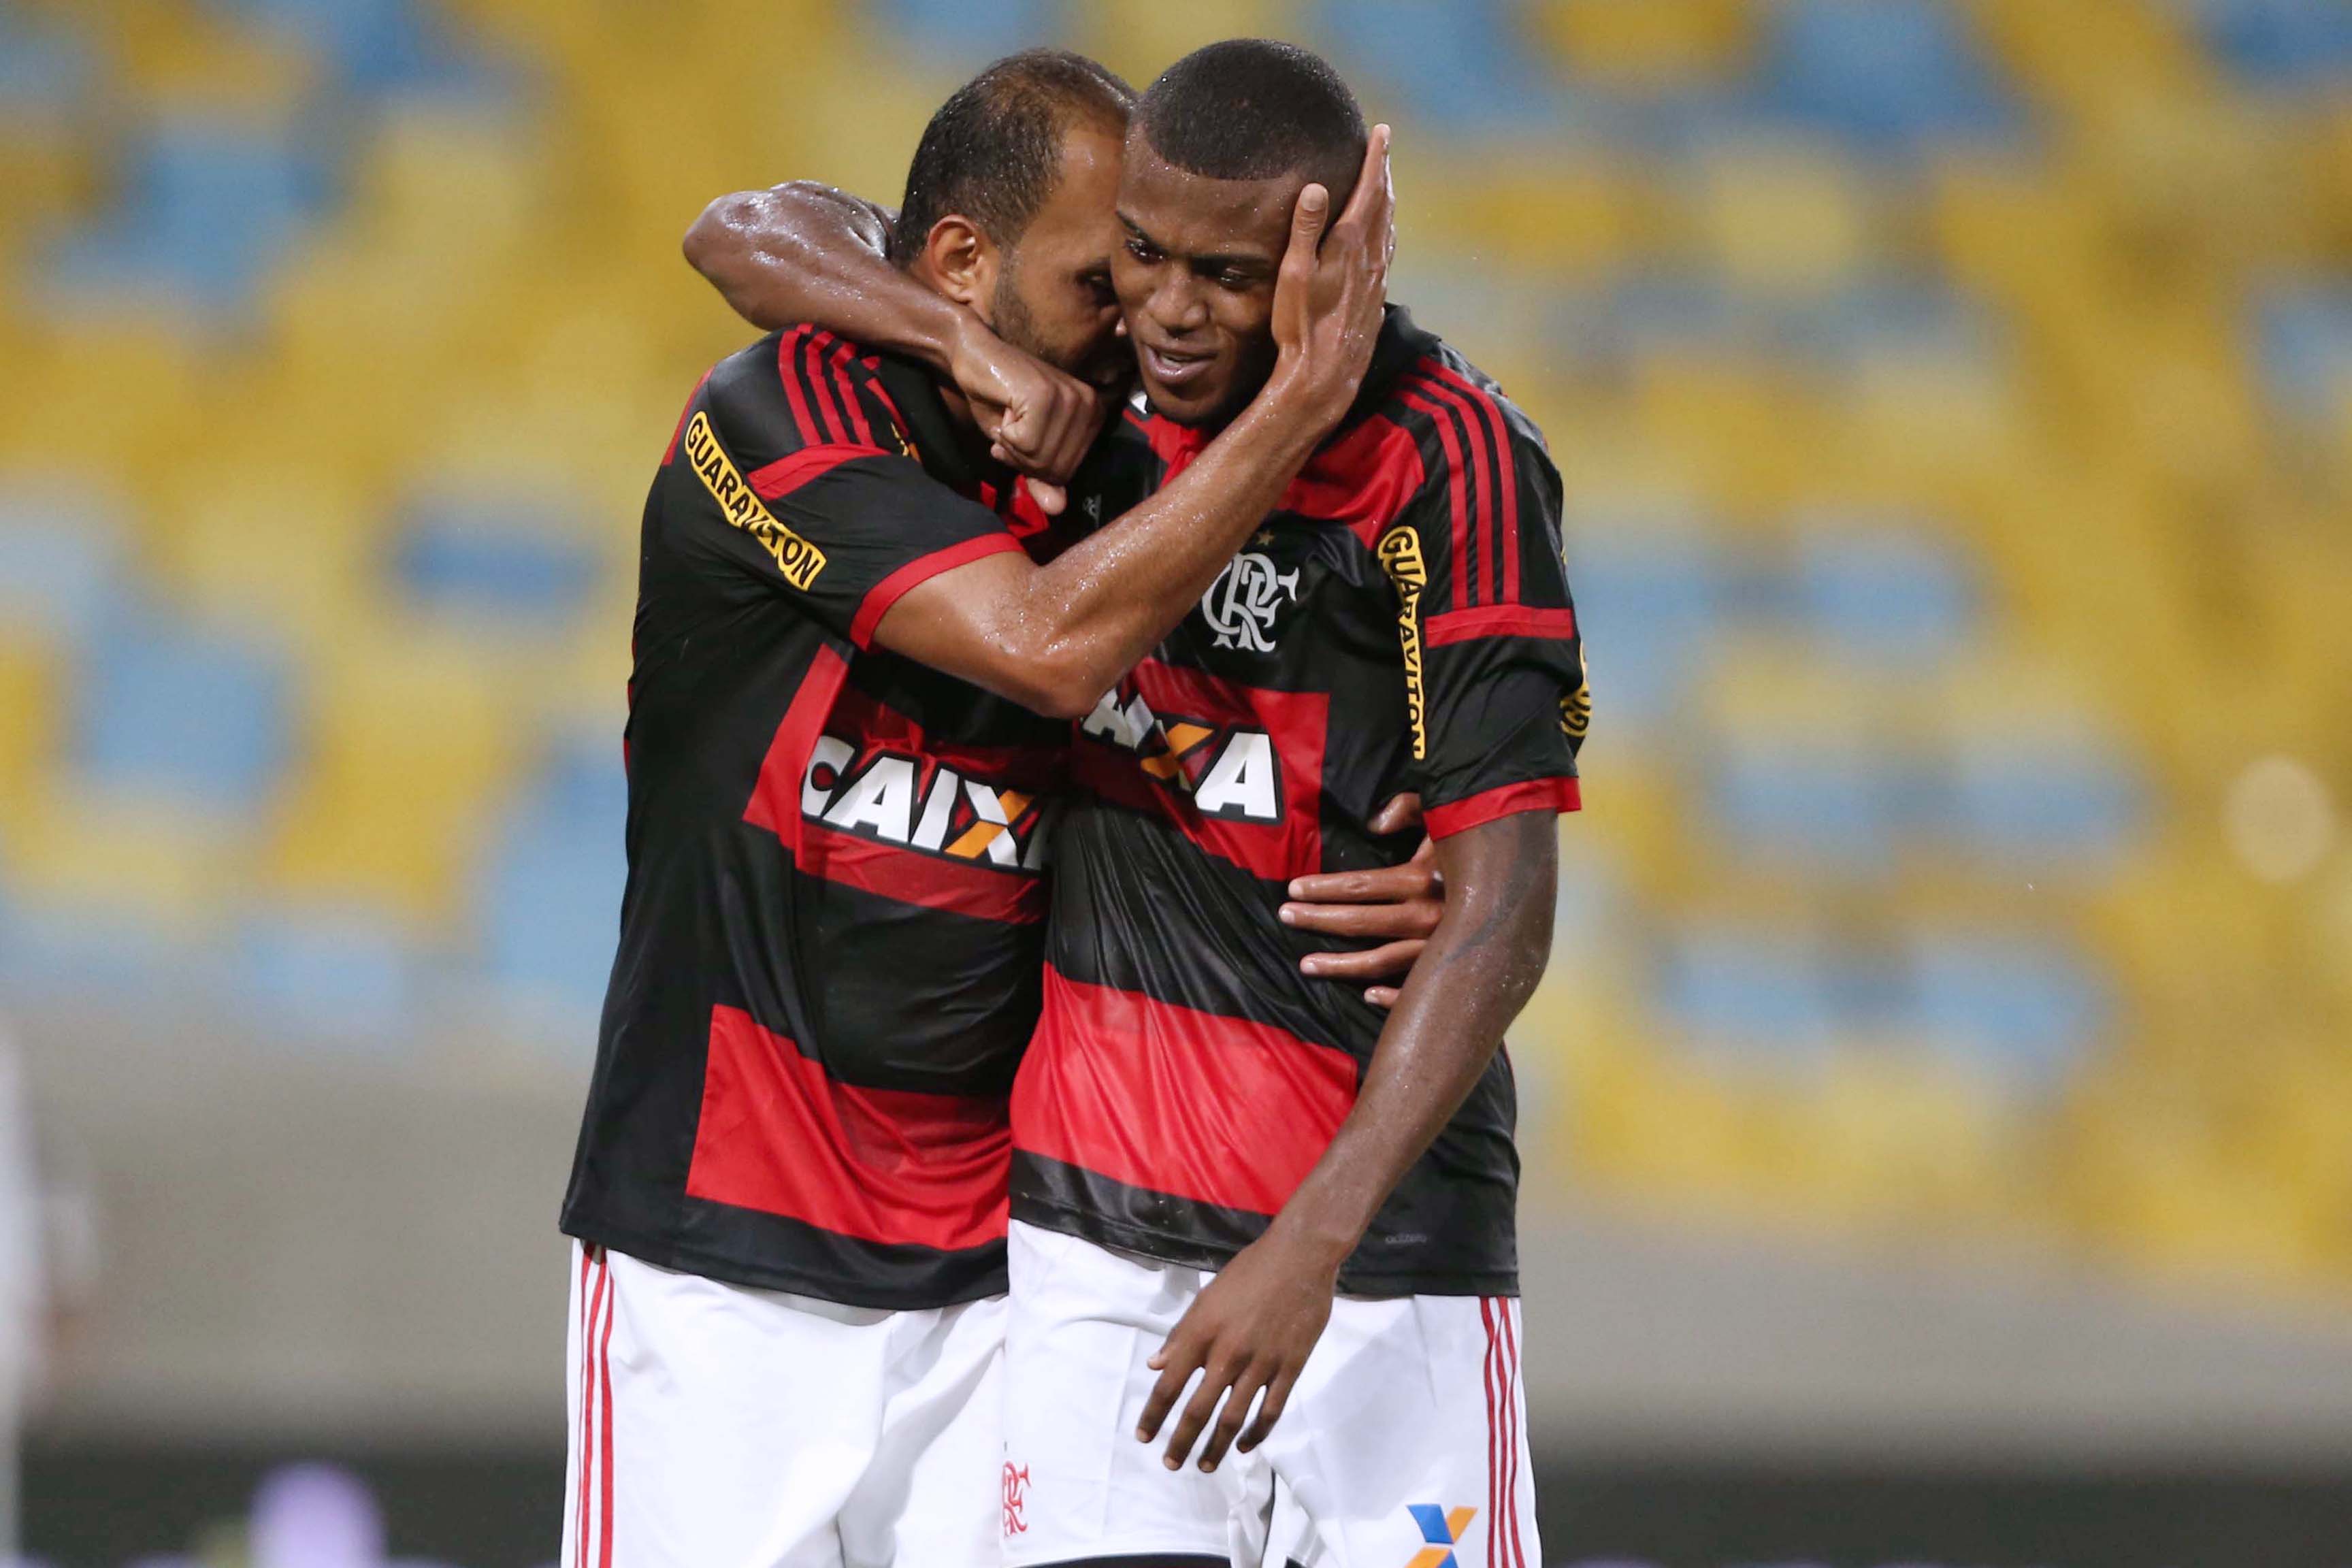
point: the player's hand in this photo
(1249, 1331)
(1395, 907)
(1329, 295)
(1037, 420)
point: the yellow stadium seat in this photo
(1649, 44)
(408, 748)
(1786, 218)
(130, 859)
(31, 715)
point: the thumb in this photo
(1050, 497)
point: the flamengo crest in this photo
(1240, 604)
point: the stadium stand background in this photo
(1946, 1068)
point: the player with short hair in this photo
(852, 628)
(1208, 1148)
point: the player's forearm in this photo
(805, 252)
(1481, 964)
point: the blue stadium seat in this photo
(1786, 796)
(2306, 346)
(210, 205)
(493, 559)
(328, 974)
(2279, 43)
(550, 900)
(1776, 995)
(1887, 592)
(41, 70)
(60, 560)
(1890, 75)
(2061, 803)
(1650, 595)
(184, 715)
(2026, 1007)
(367, 45)
(967, 34)
(1461, 67)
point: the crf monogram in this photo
(1228, 772)
(956, 816)
(1240, 604)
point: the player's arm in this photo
(1056, 637)
(804, 252)
(1253, 1327)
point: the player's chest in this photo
(1303, 605)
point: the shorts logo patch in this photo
(795, 557)
(1441, 1528)
(1016, 1498)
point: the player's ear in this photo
(962, 262)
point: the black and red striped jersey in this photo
(831, 934)
(1403, 621)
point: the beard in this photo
(1108, 366)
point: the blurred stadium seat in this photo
(1954, 402)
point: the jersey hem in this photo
(1158, 1247)
(684, 1259)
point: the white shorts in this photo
(718, 1427)
(1404, 1445)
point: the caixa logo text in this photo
(890, 797)
(1230, 771)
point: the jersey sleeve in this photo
(1495, 687)
(815, 498)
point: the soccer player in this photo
(1208, 1148)
(791, 1181)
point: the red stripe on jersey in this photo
(1484, 504)
(888, 1165)
(823, 395)
(1497, 621)
(1456, 483)
(976, 887)
(790, 472)
(804, 424)
(775, 802)
(1363, 480)
(678, 435)
(887, 592)
(1506, 479)
(1553, 795)
(840, 357)
(1220, 1111)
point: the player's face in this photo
(1195, 271)
(1052, 294)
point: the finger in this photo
(1308, 215)
(1229, 1419)
(1175, 1366)
(1269, 1410)
(1371, 182)
(1374, 884)
(1050, 497)
(1400, 811)
(1386, 961)
(1197, 1411)
(1381, 995)
(1383, 921)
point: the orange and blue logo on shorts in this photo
(1442, 1528)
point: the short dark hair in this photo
(1252, 108)
(993, 151)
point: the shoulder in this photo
(1466, 432)
(809, 386)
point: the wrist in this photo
(1317, 1239)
